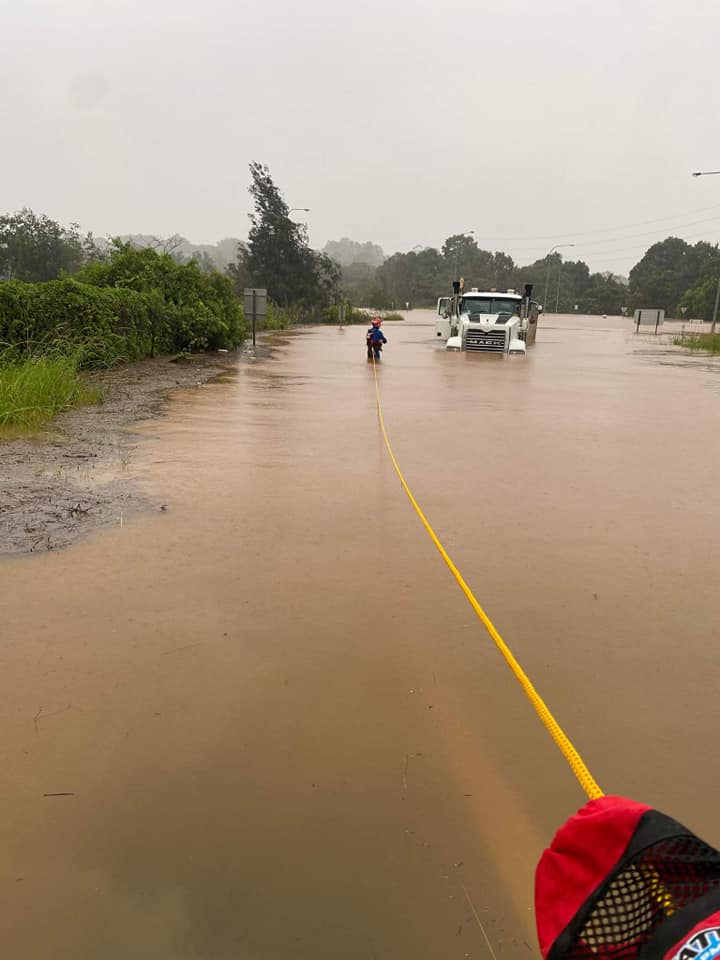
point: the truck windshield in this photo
(476, 305)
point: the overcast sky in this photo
(533, 122)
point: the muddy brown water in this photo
(284, 733)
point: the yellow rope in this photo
(585, 778)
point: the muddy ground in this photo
(57, 486)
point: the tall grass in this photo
(34, 389)
(706, 342)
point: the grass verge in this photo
(34, 389)
(705, 342)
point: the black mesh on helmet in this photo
(648, 888)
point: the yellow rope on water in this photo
(577, 765)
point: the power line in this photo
(586, 233)
(644, 246)
(614, 240)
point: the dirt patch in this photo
(57, 486)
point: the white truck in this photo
(487, 321)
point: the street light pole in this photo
(557, 297)
(711, 173)
(550, 252)
(715, 310)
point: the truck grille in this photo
(490, 341)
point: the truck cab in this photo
(487, 321)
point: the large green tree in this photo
(357, 282)
(35, 248)
(603, 294)
(699, 299)
(461, 256)
(276, 244)
(417, 277)
(664, 273)
(279, 257)
(238, 269)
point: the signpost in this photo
(255, 303)
(648, 317)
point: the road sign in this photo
(255, 301)
(646, 317)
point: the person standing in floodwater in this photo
(375, 339)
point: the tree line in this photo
(420, 276)
(672, 274)
(138, 297)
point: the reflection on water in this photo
(281, 730)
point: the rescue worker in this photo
(622, 881)
(375, 339)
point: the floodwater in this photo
(281, 728)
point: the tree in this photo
(460, 254)
(279, 257)
(204, 261)
(172, 245)
(35, 248)
(238, 269)
(699, 299)
(568, 285)
(277, 247)
(604, 294)
(414, 277)
(348, 252)
(663, 275)
(329, 277)
(357, 281)
(504, 271)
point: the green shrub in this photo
(188, 309)
(139, 304)
(103, 326)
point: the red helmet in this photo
(377, 321)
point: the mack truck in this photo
(487, 321)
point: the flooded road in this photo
(281, 729)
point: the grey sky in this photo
(398, 121)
